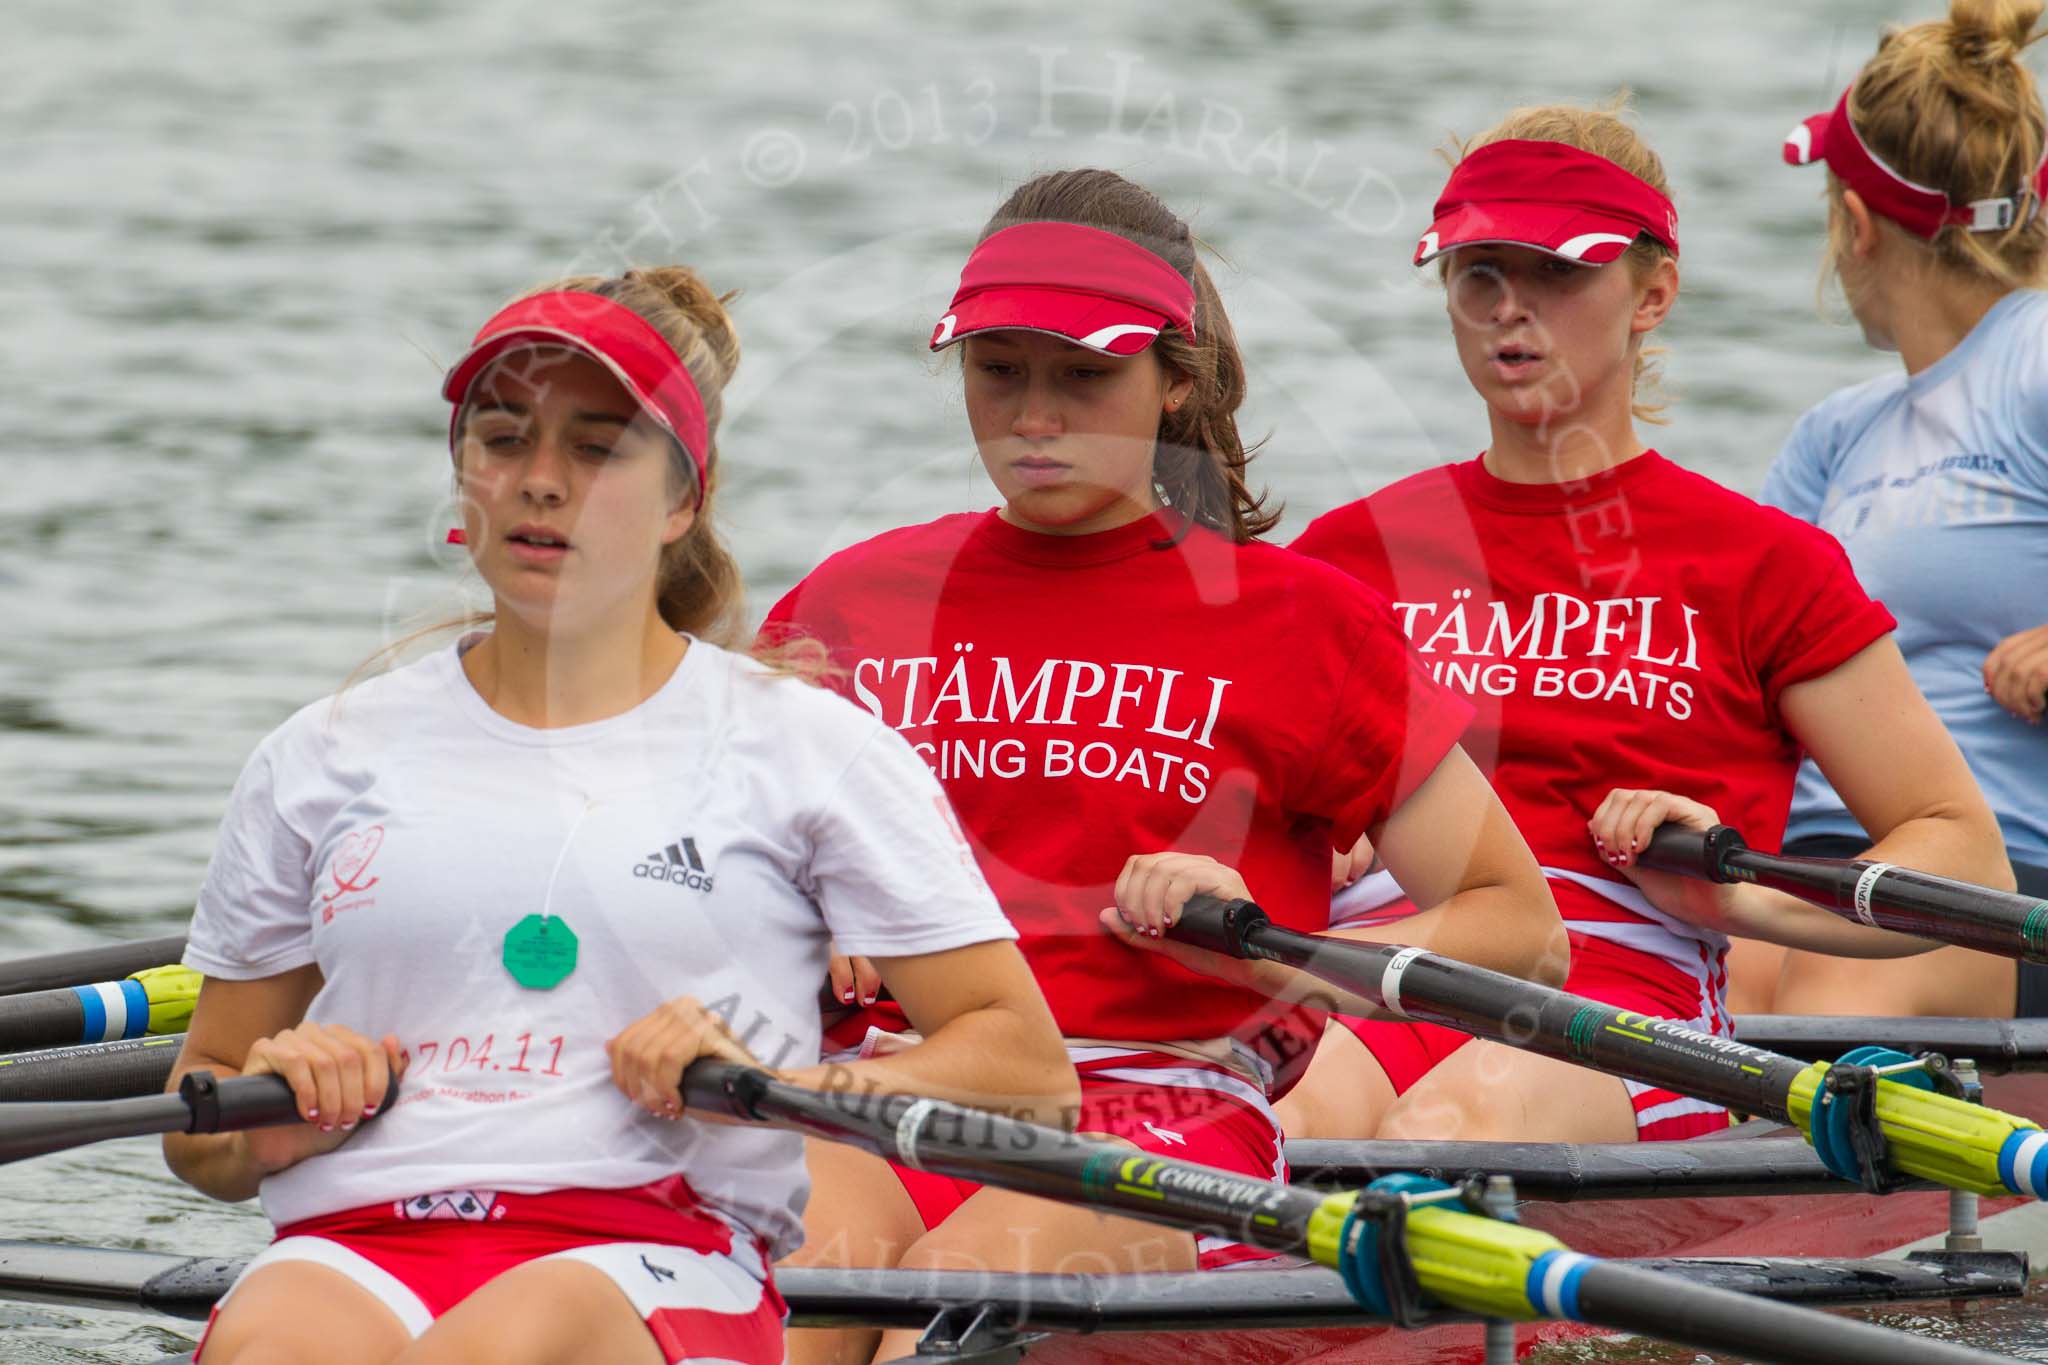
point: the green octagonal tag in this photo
(540, 952)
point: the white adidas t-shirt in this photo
(711, 842)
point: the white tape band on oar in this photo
(906, 1132)
(1553, 1289)
(1866, 887)
(112, 1009)
(2019, 1160)
(1390, 979)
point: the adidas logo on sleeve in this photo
(679, 863)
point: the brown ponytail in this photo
(1199, 463)
(1948, 104)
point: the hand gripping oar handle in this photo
(1932, 1136)
(1876, 894)
(201, 1104)
(1453, 1258)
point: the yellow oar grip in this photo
(1936, 1137)
(1463, 1260)
(171, 992)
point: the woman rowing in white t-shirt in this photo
(542, 871)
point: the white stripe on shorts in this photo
(372, 1279)
(655, 1276)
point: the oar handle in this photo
(1691, 852)
(239, 1102)
(725, 1088)
(1220, 926)
(202, 1104)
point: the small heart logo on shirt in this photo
(352, 860)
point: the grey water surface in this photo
(238, 240)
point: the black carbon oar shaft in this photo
(1671, 1309)
(92, 1071)
(1997, 1046)
(1930, 1135)
(1015, 1155)
(1523, 1014)
(1877, 894)
(83, 966)
(40, 1019)
(1446, 1247)
(198, 1106)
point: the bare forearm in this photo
(987, 1058)
(1775, 917)
(1963, 844)
(215, 1164)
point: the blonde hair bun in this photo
(1991, 33)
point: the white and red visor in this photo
(1546, 195)
(1920, 209)
(1093, 288)
(613, 335)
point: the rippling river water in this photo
(238, 240)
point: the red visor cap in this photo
(1092, 287)
(1549, 196)
(1920, 209)
(613, 335)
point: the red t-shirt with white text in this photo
(1634, 629)
(1085, 698)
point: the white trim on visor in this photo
(1099, 339)
(1800, 140)
(1578, 246)
(1573, 250)
(1096, 341)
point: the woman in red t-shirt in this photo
(1640, 643)
(1111, 664)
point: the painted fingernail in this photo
(326, 1127)
(369, 1111)
(349, 1127)
(868, 999)
(312, 1114)
(848, 997)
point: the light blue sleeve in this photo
(1798, 479)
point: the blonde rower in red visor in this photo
(1641, 644)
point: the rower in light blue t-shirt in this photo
(1937, 485)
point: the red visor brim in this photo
(1563, 230)
(1103, 325)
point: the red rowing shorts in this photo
(1167, 1105)
(1602, 971)
(704, 1292)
